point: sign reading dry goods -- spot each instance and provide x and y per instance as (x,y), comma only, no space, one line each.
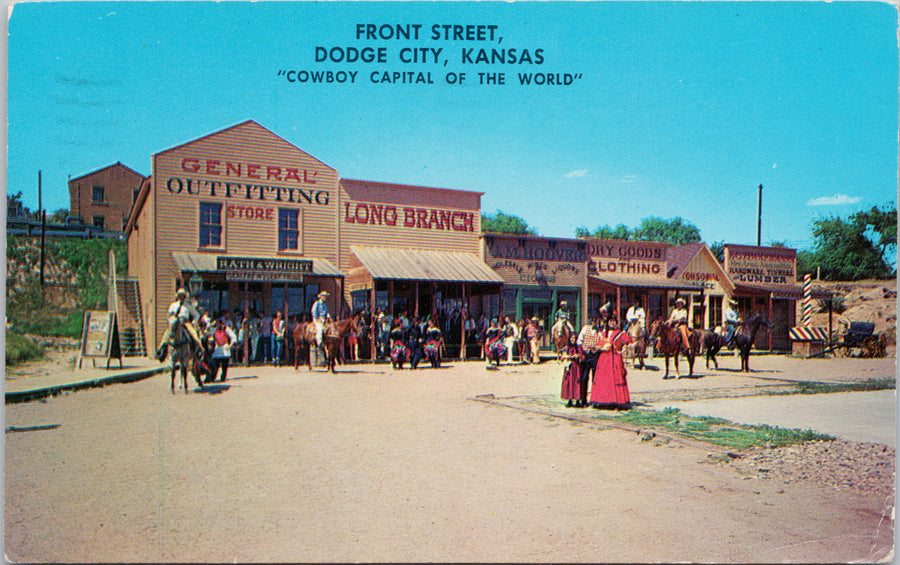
(254,269)
(622,257)
(767,265)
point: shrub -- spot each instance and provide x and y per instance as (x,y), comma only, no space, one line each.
(21,348)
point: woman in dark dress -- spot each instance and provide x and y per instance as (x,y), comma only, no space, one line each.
(571,358)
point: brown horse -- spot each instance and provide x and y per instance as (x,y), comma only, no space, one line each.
(637,349)
(561,340)
(183,358)
(670,345)
(332,337)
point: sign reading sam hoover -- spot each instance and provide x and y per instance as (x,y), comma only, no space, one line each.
(254,269)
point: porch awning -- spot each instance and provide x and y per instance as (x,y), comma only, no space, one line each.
(641,282)
(417,265)
(207,263)
(778,291)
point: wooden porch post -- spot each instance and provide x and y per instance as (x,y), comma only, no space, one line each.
(245,324)
(373,327)
(463,310)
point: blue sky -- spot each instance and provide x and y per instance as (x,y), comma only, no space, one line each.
(679,109)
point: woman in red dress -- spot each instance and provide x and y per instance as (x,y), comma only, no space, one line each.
(571,357)
(610,389)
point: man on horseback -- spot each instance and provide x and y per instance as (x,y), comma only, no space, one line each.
(732,321)
(180,311)
(562,319)
(636,318)
(679,319)
(320,316)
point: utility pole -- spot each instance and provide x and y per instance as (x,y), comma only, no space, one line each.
(759,219)
(43,218)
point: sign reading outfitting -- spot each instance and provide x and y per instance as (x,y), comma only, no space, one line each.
(255,269)
(291,185)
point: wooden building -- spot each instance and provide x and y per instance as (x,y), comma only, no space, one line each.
(695,264)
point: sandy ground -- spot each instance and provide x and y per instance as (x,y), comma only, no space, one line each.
(372,464)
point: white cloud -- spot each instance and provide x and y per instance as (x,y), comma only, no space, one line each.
(577,174)
(628,178)
(836,200)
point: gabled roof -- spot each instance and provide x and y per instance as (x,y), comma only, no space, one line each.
(680,256)
(249,124)
(101,169)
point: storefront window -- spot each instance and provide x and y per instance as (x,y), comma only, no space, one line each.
(715,311)
(288,230)
(210,224)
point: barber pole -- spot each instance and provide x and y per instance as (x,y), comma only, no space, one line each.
(807,300)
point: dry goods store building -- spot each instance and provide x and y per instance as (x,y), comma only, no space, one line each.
(266,226)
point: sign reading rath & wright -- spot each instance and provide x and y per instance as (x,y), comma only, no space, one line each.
(761,265)
(257,269)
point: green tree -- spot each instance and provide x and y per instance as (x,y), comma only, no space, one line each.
(505,223)
(58,217)
(883,222)
(674,230)
(718,250)
(621,231)
(844,252)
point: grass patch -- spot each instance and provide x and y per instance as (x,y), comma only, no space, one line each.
(864,386)
(20,348)
(715,430)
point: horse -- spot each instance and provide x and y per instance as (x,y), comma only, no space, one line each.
(183,358)
(561,339)
(670,344)
(712,343)
(305,335)
(637,349)
(746,335)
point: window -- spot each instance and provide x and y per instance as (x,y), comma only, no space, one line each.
(210,224)
(98,195)
(715,311)
(288,231)
(99,222)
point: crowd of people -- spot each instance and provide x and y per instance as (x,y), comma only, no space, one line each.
(594,357)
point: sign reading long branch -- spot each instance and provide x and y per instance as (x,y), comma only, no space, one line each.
(408,217)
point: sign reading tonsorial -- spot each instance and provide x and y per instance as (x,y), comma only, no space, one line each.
(259,269)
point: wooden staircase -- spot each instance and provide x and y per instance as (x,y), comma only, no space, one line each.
(131,320)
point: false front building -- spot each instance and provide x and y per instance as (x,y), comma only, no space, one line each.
(262,226)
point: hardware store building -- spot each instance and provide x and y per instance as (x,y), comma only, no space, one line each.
(264,226)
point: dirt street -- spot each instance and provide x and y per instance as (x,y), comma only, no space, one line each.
(372,464)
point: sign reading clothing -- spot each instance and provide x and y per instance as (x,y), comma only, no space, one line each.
(271,270)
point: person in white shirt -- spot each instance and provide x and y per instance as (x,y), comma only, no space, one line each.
(732,321)
(636,318)
(180,311)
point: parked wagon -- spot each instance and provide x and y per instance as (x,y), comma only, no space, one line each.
(858,340)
